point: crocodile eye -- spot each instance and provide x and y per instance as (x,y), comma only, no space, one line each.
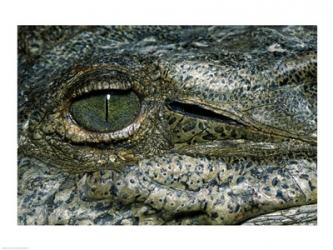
(106,111)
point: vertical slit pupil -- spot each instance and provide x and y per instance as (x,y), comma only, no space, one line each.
(107,107)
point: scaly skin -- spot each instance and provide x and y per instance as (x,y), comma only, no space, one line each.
(226,133)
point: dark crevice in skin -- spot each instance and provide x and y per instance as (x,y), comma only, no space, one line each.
(200,112)
(190,214)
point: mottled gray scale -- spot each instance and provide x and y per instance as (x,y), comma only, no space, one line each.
(223,129)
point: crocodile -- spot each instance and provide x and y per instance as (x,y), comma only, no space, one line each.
(167,125)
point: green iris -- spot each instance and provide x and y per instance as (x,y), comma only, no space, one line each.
(107,111)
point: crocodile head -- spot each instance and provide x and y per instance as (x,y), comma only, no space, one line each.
(166,125)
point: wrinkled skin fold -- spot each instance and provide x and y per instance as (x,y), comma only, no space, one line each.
(225,131)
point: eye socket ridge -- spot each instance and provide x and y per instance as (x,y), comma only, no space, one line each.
(97,82)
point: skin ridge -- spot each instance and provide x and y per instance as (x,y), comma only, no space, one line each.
(256,164)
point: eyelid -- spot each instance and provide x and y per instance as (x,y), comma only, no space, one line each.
(98,77)
(100,85)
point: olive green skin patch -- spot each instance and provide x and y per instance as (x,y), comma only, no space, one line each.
(106,111)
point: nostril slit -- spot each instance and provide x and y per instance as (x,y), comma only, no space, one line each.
(107,107)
